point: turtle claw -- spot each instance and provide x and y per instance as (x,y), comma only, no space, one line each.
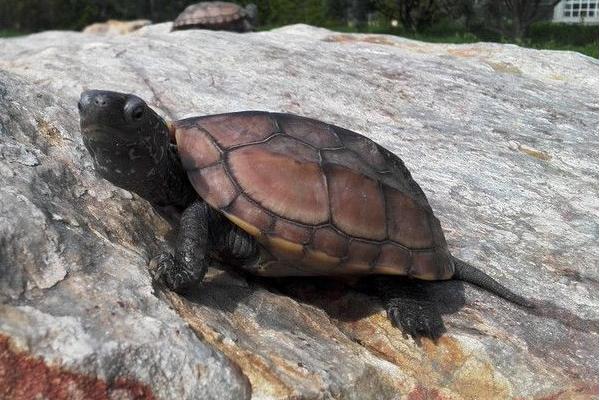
(159,265)
(416,318)
(166,270)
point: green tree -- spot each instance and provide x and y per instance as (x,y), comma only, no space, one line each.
(414,15)
(36,15)
(513,18)
(337,11)
(463,10)
(357,12)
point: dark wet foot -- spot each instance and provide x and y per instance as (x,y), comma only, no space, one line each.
(416,318)
(165,270)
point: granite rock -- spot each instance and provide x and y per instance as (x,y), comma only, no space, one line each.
(503,140)
(116,27)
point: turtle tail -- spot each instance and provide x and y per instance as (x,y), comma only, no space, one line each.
(468,273)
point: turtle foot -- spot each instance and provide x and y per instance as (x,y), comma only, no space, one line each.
(166,270)
(417,318)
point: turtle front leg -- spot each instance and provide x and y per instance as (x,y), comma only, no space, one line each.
(189,264)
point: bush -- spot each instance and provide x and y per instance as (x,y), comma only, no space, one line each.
(571,34)
(284,12)
(4,33)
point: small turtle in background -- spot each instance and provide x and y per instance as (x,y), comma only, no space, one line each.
(278,195)
(217,16)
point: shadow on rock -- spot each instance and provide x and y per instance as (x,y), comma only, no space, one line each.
(351,301)
(222,289)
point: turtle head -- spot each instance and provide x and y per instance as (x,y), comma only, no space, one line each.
(252,13)
(127,140)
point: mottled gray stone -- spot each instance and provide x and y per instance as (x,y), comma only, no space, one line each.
(74,287)
(503,140)
(116,27)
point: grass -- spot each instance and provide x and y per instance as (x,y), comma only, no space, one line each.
(7,33)
(548,36)
(590,50)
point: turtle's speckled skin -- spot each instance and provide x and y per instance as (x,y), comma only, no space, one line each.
(278,194)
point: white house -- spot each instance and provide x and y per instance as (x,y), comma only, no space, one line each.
(577,11)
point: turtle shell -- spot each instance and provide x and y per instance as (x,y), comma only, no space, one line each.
(209,15)
(322,200)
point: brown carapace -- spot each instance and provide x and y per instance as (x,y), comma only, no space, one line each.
(320,199)
(216,15)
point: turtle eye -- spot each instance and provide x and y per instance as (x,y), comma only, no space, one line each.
(137,112)
(134,109)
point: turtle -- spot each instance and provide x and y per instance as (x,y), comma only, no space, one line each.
(277,195)
(218,16)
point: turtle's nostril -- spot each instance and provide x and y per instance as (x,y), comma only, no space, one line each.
(100,101)
(86,99)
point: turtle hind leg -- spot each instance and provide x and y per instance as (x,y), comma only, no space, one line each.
(417,318)
(410,307)
(233,245)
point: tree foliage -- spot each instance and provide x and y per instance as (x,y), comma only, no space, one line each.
(500,18)
(36,15)
(462,10)
(513,18)
(414,15)
(284,12)
(417,15)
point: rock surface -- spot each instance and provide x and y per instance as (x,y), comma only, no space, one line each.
(116,27)
(503,140)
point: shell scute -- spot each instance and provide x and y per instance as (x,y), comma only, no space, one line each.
(364,147)
(290,231)
(230,130)
(315,133)
(394,260)
(213,185)
(283,176)
(196,147)
(249,216)
(361,256)
(357,203)
(346,158)
(431,265)
(409,224)
(330,242)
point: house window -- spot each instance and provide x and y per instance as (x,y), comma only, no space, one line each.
(580,8)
